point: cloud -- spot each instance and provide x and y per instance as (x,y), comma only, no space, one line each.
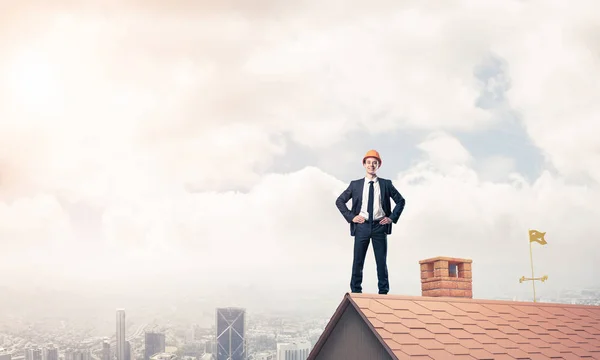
(286,232)
(167,119)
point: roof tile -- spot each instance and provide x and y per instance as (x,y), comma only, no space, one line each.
(414,324)
(452,324)
(496,334)
(537,356)
(518,339)
(487,325)
(503,344)
(389,318)
(414,350)
(561,348)
(538,330)
(460,334)
(540,343)
(485,339)
(443,328)
(517,353)
(422,334)
(431,344)
(591,347)
(438,329)
(570,356)
(581,352)
(405,339)
(447,339)
(384,333)
(394,345)
(474,329)
(378,308)
(376,322)
(528,348)
(481,354)
(456,349)
(439,354)
(442,306)
(429,319)
(405,314)
(500,348)
(411,306)
(503,357)
(471,344)
(396,328)
(368,313)
(362,303)
(507,329)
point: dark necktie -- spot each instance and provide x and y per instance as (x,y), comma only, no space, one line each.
(370,203)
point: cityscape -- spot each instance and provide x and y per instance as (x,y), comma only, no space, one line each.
(235,335)
(299,180)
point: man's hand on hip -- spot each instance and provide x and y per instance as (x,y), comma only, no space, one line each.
(358,219)
(385,220)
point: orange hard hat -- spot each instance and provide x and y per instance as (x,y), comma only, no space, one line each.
(372,153)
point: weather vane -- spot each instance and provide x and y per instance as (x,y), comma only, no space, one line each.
(534,236)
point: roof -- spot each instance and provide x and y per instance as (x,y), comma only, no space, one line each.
(463,328)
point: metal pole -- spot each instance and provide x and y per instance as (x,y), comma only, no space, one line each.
(532,276)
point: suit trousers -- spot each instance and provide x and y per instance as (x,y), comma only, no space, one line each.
(362,236)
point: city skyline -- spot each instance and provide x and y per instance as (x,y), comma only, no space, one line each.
(129,131)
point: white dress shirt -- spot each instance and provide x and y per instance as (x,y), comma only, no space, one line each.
(377,208)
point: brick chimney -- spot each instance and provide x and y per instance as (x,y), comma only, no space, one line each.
(446,276)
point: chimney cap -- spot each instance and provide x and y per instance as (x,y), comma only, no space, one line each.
(445,258)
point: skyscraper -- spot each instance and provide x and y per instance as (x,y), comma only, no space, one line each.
(121,335)
(293,351)
(106,350)
(128,351)
(153,343)
(230,336)
(33,353)
(50,353)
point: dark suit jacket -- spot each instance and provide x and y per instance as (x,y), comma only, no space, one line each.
(355,192)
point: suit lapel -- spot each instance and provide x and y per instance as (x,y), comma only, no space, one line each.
(359,190)
(382,185)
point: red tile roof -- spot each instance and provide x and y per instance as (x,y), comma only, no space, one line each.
(460,328)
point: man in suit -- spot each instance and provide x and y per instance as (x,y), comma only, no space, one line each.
(370,218)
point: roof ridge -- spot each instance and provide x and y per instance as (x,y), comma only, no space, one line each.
(467,300)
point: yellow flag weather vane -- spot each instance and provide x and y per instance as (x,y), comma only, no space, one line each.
(538,237)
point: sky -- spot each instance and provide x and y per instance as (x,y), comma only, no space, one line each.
(147,146)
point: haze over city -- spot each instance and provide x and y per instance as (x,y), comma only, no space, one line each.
(167,156)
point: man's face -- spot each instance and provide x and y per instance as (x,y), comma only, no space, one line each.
(371,165)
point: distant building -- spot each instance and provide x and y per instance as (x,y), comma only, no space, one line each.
(50,353)
(153,343)
(121,351)
(210,347)
(293,351)
(78,354)
(265,356)
(106,350)
(230,335)
(33,353)
(163,356)
(4,355)
(129,355)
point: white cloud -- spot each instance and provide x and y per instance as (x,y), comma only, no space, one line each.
(445,151)
(496,168)
(147,105)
